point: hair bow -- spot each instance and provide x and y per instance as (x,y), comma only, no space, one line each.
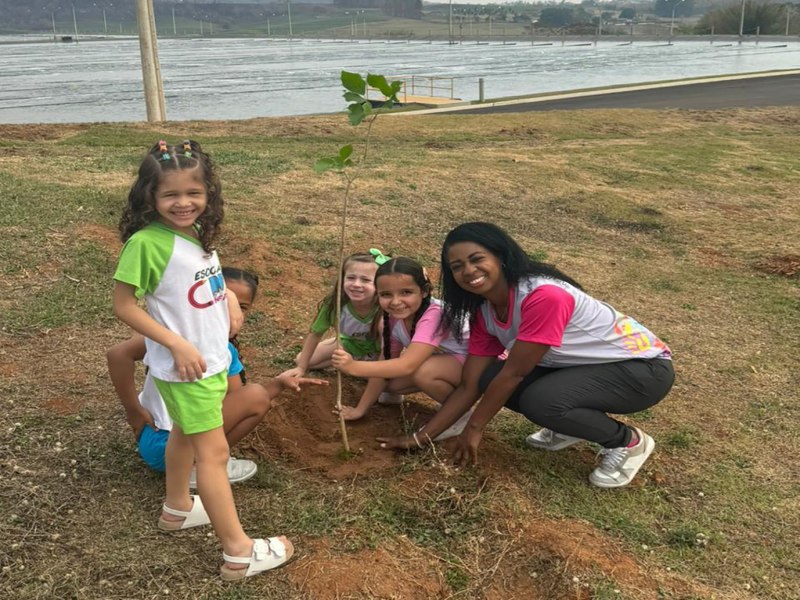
(162,147)
(187,149)
(380,257)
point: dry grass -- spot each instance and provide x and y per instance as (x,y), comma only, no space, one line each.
(687,220)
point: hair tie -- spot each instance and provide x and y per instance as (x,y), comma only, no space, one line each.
(187,149)
(380,257)
(162,147)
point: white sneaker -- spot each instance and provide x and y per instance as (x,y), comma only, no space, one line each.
(390,398)
(454,429)
(619,466)
(547,439)
(239,470)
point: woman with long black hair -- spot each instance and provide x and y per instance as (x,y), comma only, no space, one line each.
(571,359)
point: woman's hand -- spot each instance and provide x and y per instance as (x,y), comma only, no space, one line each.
(403,442)
(466,448)
(189,363)
(341,360)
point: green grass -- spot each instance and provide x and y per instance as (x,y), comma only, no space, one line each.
(665,215)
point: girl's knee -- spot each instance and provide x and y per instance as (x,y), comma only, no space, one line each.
(261,402)
(421,376)
(217,457)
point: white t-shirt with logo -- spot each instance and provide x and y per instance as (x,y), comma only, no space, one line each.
(185,292)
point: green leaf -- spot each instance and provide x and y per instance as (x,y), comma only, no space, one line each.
(324,164)
(367,108)
(353,97)
(345,151)
(357,113)
(396,87)
(379,83)
(354,82)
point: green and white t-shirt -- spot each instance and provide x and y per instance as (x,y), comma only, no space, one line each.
(355,333)
(185,292)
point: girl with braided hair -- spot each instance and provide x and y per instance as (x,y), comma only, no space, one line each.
(418,354)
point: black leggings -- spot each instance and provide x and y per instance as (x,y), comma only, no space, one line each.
(574,400)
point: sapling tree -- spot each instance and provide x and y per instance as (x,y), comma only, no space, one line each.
(359,109)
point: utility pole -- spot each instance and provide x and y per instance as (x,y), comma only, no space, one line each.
(151,71)
(451,22)
(289,10)
(105,23)
(788,16)
(174,28)
(53,19)
(75,22)
(741,24)
(157,62)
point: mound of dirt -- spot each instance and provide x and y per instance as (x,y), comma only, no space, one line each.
(304,430)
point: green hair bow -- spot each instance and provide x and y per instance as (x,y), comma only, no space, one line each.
(380,257)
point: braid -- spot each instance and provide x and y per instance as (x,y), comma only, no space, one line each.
(387,337)
(235,342)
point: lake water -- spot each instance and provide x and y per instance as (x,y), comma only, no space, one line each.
(244,78)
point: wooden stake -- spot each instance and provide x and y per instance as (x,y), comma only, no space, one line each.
(337,322)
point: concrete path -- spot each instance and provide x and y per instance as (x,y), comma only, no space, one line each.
(738,91)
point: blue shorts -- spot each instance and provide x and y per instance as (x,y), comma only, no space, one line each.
(152,447)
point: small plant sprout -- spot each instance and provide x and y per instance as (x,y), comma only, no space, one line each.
(359,109)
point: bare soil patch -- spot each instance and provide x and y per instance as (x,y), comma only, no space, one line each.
(392,572)
(304,430)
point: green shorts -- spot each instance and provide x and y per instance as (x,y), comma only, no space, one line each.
(195,406)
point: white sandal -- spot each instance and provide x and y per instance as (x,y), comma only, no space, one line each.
(267,554)
(196,517)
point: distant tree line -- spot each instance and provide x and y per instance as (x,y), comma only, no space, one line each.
(759,16)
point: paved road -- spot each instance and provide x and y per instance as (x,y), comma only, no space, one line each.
(782,90)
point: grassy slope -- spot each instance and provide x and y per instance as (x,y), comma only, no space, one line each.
(667,215)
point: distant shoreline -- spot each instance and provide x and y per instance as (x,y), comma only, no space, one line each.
(539,39)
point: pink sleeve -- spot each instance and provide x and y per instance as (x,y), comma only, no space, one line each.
(481,342)
(427,329)
(544,315)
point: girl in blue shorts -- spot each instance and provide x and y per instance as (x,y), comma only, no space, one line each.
(243,409)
